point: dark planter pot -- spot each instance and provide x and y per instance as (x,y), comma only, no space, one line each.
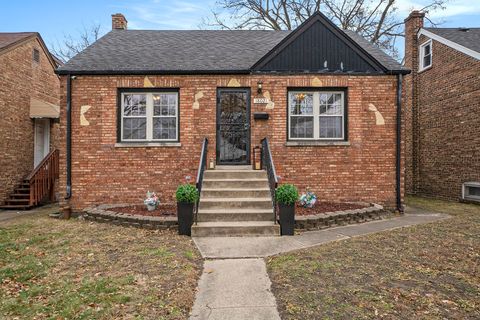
(185,218)
(287,219)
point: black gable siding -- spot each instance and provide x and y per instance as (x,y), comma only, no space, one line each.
(313,47)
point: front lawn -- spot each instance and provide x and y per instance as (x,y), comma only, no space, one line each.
(429,271)
(55,269)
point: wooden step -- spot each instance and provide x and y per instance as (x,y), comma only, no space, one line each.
(17,201)
(15,207)
(19,195)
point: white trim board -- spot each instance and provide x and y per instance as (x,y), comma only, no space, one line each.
(449,43)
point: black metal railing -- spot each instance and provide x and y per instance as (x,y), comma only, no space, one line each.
(201,169)
(267,164)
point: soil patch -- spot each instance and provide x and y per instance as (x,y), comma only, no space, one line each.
(325,206)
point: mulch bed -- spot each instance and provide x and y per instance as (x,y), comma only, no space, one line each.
(163,210)
(325,206)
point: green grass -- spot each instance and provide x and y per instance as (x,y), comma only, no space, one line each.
(53,269)
(428,271)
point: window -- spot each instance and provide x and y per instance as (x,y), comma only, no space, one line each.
(316,115)
(426,55)
(36,55)
(471,191)
(149,116)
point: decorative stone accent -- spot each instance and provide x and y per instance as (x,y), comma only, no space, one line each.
(341,218)
(233,83)
(106,213)
(83,120)
(147,83)
(316,82)
(197,96)
(379,120)
(270,103)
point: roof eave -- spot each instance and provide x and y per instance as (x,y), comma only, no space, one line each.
(148,72)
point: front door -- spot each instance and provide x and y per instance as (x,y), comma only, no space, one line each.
(41,140)
(233,126)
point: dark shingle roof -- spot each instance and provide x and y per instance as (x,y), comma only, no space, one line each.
(10,38)
(469,39)
(172,51)
(196,50)
(384,59)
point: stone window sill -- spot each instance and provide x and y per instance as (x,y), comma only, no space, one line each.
(316,143)
(147,144)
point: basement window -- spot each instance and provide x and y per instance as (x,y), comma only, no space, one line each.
(471,191)
(36,55)
(316,115)
(425,55)
(149,116)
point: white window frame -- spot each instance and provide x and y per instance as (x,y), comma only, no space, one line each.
(316,114)
(149,115)
(421,67)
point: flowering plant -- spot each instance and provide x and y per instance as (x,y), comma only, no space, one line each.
(300,96)
(308,199)
(152,199)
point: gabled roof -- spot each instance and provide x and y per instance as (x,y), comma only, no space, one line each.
(199,51)
(10,40)
(466,40)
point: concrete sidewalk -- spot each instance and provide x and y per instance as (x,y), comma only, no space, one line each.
(259,247)
(234,289)
(8,215)
(237,286)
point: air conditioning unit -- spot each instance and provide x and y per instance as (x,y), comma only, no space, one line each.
(471,191)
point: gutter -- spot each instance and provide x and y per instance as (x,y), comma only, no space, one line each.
(398,142)
(69,138)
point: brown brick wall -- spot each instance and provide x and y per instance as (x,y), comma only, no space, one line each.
(443,143)
(22,78)
(103,173)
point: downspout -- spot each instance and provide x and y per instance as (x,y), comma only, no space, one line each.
(69,138)
(399,141)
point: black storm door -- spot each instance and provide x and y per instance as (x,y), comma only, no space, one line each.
(233,126)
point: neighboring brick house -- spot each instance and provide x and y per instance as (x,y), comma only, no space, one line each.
(29,104)
(141,103)
(442,103)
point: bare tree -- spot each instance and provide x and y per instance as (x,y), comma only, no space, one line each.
(376,20)
(70,46)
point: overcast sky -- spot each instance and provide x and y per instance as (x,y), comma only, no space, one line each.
(54,18)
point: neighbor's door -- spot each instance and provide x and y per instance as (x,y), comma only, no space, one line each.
(233,126)
(41,140)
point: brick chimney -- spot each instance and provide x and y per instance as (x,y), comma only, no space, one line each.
(412,24)
(119,22)
(410,94)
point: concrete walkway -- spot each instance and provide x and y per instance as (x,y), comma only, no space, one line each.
(236,285)
(8,215)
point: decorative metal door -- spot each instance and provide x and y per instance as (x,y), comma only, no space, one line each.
(233,126)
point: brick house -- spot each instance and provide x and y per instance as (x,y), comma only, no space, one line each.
(138,105)
(442,106)
(29,101)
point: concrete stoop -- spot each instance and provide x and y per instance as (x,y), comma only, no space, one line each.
(235,201)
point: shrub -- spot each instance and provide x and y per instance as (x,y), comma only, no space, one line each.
(286,194)
(186,193)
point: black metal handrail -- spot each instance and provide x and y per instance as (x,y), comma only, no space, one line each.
(201,169)
(267,164)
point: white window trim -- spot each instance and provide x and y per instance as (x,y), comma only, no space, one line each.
(316,115)
(421,52)
(449,43)
(149,115)
(466,185)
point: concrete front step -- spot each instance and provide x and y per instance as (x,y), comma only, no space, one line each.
(235,174)
(235,193)
(234,183)
(233,167)
(244,203)
(235,229)
(235,215)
